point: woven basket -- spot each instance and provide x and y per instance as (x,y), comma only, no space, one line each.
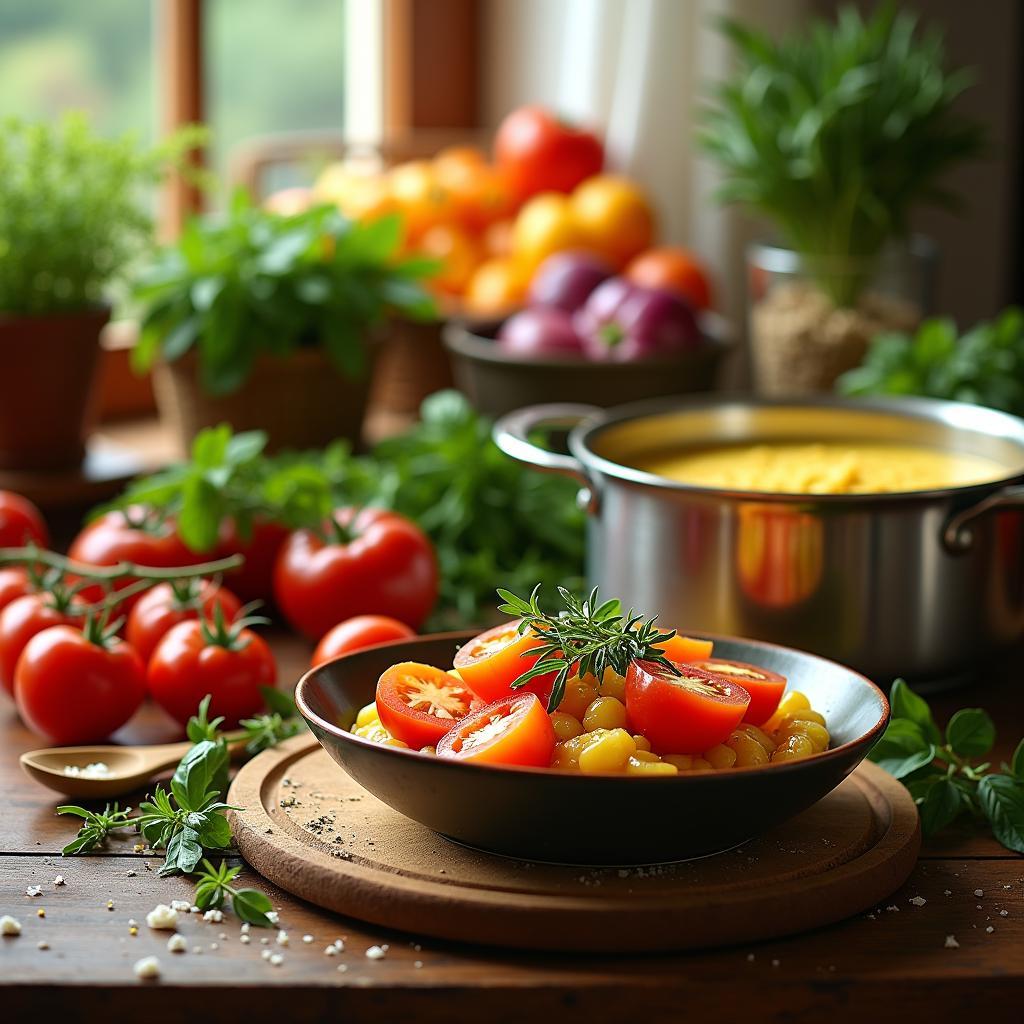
(413,363)
(300,400)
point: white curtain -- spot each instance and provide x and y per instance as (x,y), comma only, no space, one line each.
(638,70)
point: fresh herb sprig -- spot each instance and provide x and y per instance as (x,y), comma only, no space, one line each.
(96,826)
(586,637)
(280,723)
(214,889)
(947,773)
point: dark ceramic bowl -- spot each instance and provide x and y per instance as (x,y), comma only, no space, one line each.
(570,818)
(497,382)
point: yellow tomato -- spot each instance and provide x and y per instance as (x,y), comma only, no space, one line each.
(614,217)
(420,196)
(496,287)
(457,253)
(546,224)
(358,195)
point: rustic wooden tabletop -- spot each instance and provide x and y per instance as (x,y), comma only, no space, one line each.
(75,955)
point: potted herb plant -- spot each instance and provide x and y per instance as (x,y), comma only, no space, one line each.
(834,134)
(71,221)
(268,321)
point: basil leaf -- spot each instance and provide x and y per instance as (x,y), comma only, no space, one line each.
(907,704)
(215,832)
(184,852)
(84,841)
(1017,762)
(201,771)
(971,733)
(1002,799)
(253,906)
(902,749)
(941,804)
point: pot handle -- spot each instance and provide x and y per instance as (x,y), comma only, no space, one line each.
(958,535)
(512,435)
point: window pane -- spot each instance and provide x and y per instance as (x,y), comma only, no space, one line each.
(272,67)
(95,55)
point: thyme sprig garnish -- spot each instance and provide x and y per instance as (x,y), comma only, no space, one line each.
(586,637)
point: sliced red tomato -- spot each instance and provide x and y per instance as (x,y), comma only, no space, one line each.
(684,714)
(687,649)
(418,704)
(513,730)
(492,661)
(765,687)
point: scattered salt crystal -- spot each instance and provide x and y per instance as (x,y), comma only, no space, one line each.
(264,941)
(182,905)
(197,950)
(376,953)
(979,892)
(775,963)
(947,892)
(417,963)
(42,944)
(339,945)
(191,910)
(892,907)
(147,967)
(918,901)
(951,942)
(34,890)
(266,954)
(131,873)
(307,939)
(750,958)
(331,951)
(342,968)
(244,939)
(1004,913)
(214,915)
(990,929)
(272,916)
(276,959)
(9,925)
(177,944)
(245,927)
(282,938)
(162,917)
(59,880)
(97,770)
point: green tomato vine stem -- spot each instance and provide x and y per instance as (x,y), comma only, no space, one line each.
(29,556)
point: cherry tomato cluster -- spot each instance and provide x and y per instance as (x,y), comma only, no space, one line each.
(473,713)
(77,676)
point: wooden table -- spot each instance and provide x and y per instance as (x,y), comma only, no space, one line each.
(891,965)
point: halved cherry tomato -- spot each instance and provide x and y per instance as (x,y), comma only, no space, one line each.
(514,730)
(418,704)
(765,687)
(492,661)
(687,649)
(684,714)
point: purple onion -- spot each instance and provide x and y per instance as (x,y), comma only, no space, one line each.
(540,332)
(566,279)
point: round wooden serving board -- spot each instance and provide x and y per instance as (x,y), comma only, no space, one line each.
(312,830)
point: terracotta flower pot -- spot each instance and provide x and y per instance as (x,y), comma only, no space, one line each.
(300,400)
(46,387)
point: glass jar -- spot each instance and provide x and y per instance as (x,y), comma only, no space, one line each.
(812,319)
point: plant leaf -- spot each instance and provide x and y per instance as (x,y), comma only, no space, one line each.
(907,704)
(1002,799)
(941,804)
(971,732)
(253,906)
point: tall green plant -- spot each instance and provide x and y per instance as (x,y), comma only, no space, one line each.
(71,210)
(836,132)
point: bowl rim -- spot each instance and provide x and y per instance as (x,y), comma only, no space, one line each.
(462,339)
(869,737)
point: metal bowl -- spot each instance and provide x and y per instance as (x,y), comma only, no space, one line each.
(497,382)
(571,818)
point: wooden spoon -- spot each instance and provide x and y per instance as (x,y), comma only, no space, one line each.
(129,767)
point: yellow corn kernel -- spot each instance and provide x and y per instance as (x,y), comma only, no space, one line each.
(802,715)
(367,715)
(748,751)
(613,685)
(579,695)
(793,749)
(605,713)
(794,700)
(760,736)
(428,750)
(645,755)
(608,751)
(817,734)
(565,726)
(373,731)
(567,753)
(642,742)
(684,762)
(638,766)
(720,756)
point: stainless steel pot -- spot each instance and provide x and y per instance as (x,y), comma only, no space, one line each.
(927,585)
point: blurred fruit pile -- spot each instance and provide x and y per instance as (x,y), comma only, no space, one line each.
(491,223)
